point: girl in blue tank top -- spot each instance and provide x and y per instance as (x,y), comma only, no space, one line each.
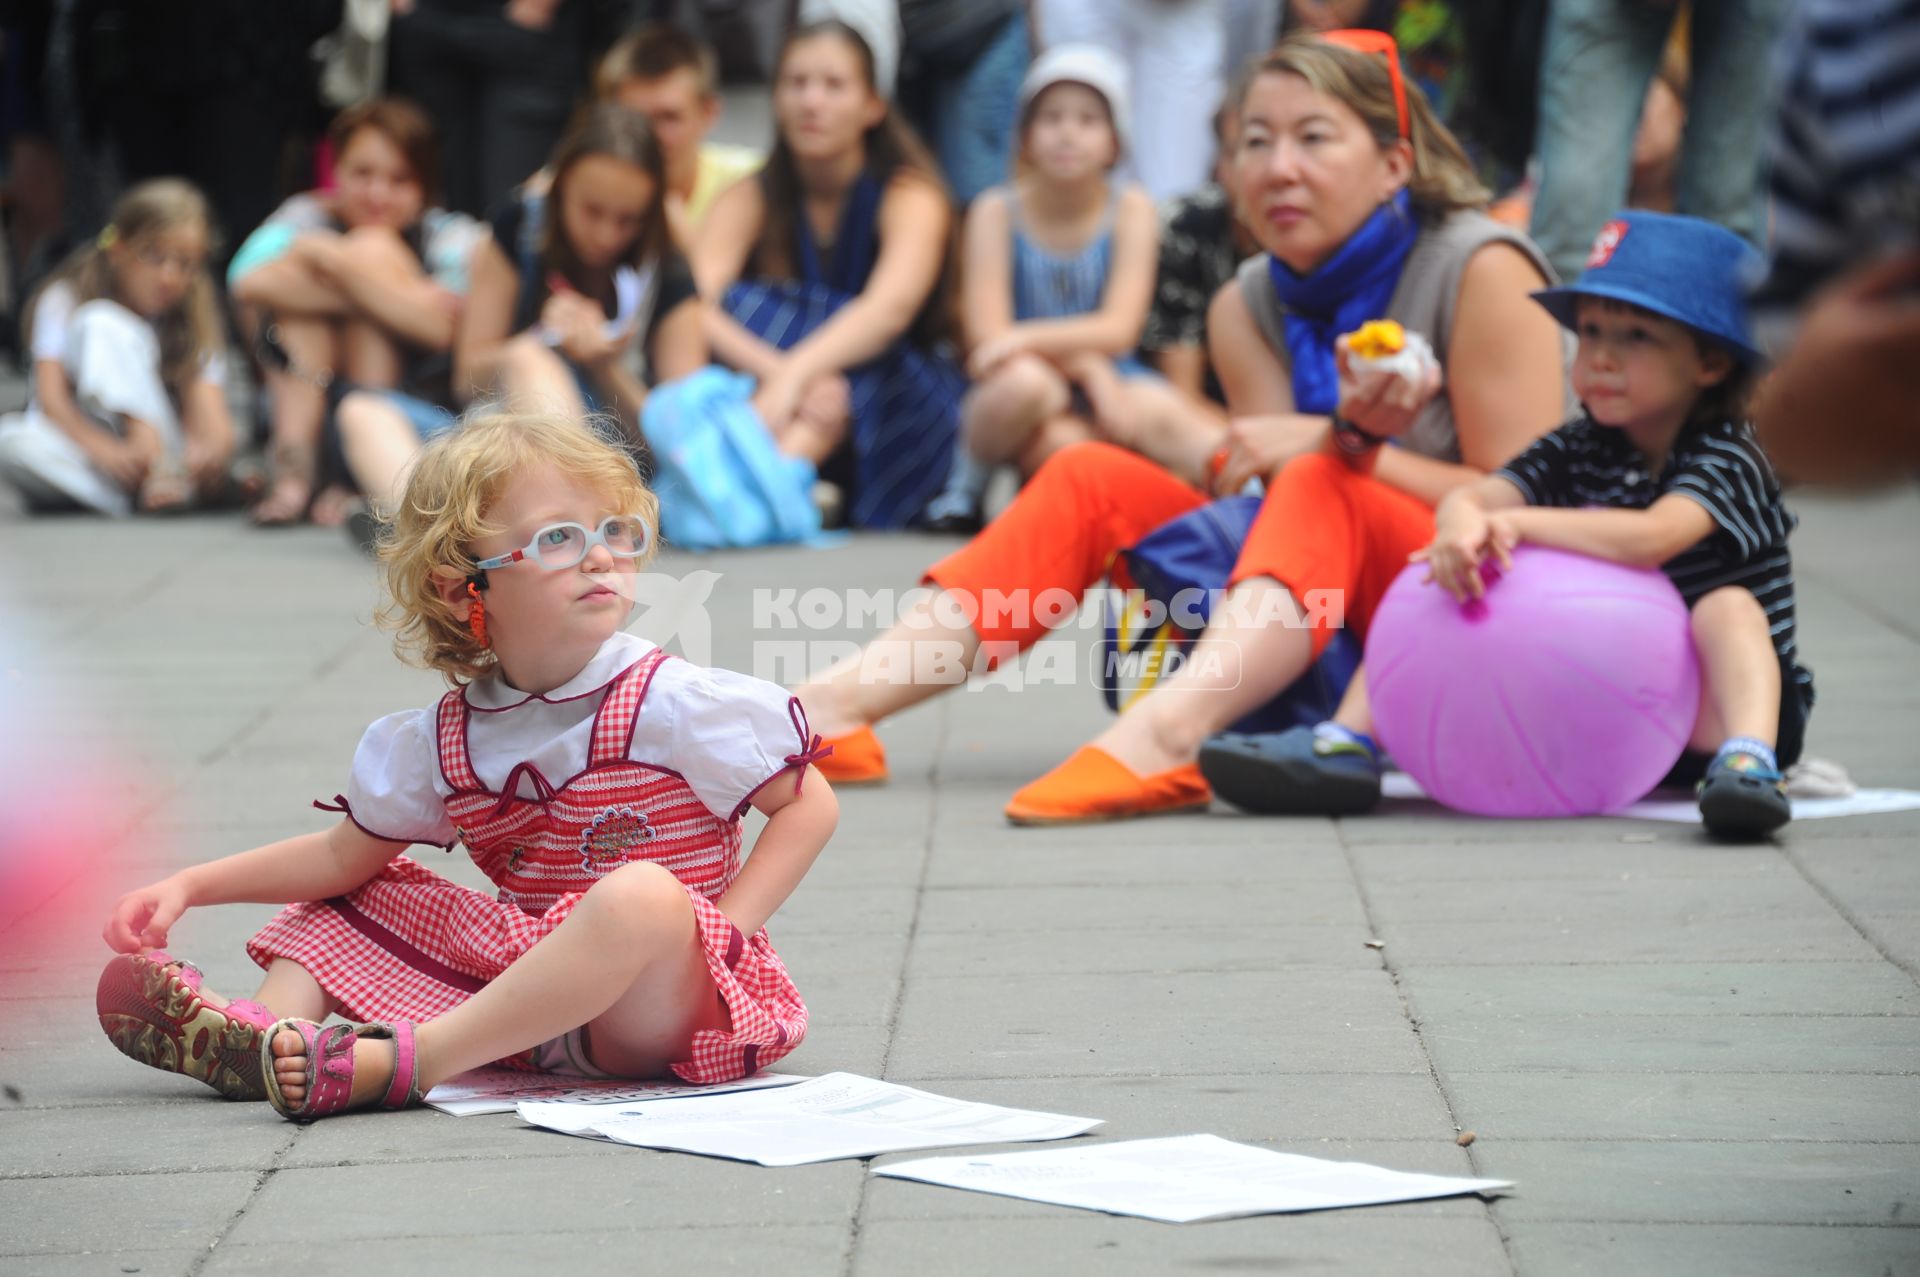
(1059,271)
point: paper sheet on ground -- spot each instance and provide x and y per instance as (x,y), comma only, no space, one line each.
(820,1120)
(1684,811)
(497,1090)
(1182,1179)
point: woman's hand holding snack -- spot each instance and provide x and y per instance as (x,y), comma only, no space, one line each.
(1387,376)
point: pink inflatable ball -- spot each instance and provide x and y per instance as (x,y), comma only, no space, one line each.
(1569,690)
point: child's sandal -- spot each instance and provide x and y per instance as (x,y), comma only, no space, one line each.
(152,1009)
(329,1069)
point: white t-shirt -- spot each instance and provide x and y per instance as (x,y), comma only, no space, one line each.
(726,733)
(53,314)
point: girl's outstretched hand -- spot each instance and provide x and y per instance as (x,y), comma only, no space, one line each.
(142,918)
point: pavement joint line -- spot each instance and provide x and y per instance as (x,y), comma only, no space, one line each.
(1910,969)
(260,1183)
(850,1255)
(1391,967)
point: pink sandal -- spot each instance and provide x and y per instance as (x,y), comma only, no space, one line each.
(329,1071)
(152,1010)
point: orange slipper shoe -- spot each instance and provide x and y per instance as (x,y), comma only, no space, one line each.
(858,758)
(1093,785)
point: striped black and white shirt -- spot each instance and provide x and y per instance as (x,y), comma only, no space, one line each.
(1844,161)
(1719,466)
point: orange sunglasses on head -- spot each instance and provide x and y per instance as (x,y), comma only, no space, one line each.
(1363,40)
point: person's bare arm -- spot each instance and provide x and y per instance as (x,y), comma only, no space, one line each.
(207,424)
(308,867)
(289,285)
(1184,366)
(382,280)
(913,222)
(105,449)
(486,321)
(798,826)
(1505,376)
(1254,378)
(718,257)
(986,284)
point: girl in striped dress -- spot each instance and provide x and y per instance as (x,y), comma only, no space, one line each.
(1059,272)
(598,783)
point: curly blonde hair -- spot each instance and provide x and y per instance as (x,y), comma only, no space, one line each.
(455,482)
(1443,179)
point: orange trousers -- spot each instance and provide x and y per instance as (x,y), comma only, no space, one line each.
(1323,526)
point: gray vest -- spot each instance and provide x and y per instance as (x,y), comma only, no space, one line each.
(1423,302)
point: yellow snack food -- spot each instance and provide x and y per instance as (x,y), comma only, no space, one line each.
(1377,338)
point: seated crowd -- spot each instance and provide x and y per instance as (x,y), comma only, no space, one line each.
(1130,367)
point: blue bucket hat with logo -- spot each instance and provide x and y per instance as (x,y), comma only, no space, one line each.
(1691,271)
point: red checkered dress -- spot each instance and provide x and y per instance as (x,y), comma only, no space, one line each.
(411,945)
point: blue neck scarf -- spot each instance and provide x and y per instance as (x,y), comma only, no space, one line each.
(1343,292)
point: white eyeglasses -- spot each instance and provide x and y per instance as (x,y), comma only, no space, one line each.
(563,545)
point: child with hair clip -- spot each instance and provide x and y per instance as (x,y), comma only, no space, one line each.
(596,781)
(1662,470)
(1059,276)
(128,406)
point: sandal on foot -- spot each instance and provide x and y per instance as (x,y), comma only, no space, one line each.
(1742,802)
(329,1071)
(152,1009)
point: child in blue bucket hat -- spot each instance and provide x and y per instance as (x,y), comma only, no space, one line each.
(1661,469)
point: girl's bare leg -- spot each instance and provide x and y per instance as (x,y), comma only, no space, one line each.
(1254,645)
(930,644)
(1049,437)
(627,963)
(380,444)
(1164,424)
(535,379)
(299,403)
(1001,414)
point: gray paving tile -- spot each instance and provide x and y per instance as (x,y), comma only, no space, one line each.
(119,1212)
(1325,1243)
(1682,1250)
(1669,988)
(1308,854)
(140,1139)
(1065,949)
(1621,937)
(97,1263)
(1668,852)
(647,1245)
(1711,1044)
(462,1199)
(1287,1021)
(1137,907)
(1719,1183)
(1688,1106)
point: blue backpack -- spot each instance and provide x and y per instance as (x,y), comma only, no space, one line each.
(1196,552)
(721,481)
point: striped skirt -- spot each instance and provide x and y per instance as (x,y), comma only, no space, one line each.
(906,402)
